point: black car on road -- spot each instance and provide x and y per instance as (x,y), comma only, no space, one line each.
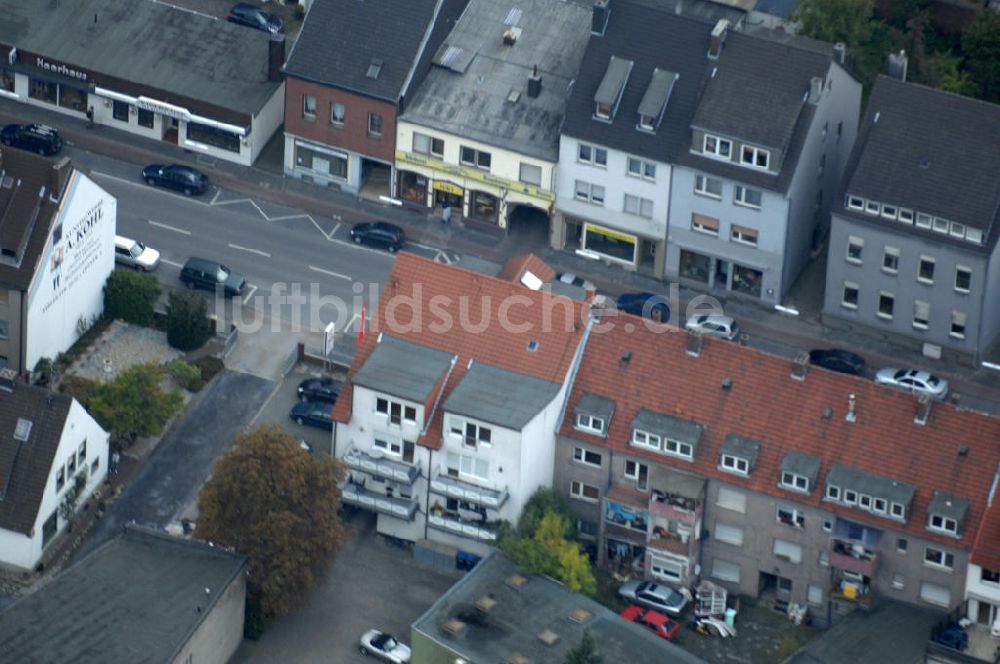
(647,305)
(32,137)
(379,234)
(314,413)
(835,359)
(203,273)
(176,176)
(319,389)
(246,14)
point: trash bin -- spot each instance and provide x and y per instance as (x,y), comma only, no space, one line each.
(731,617)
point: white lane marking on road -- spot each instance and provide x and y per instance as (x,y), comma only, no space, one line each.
(328,272)
(350,323)
(264,405)
(425,247)
(143,185)
(252,251)
(253,289)
(169,227)
(334,231)
(169,262)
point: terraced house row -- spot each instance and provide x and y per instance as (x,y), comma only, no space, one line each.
(683,457)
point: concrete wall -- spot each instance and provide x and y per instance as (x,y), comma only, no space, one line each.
(10,311)
(979,592)
(266,122)
(221,632)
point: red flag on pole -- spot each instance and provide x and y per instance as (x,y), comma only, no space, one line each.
(361,326)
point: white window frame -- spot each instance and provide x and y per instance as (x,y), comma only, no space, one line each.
(403,408)
(728,534)
(646,439)
(643,169)
(872,207)
(737,465)
(833,492)
(677,448)
(798,517)
(855,203)
(898,581)
(888,251)
(577,490)
(921,315)
(942,524)
(724,570)
(591,190)
(343,114)
(717,145)
(731,499)
(590,423)
(793,484)
(920,265)
(850,497)
(855,242)
(905,216)
(698,227)
(755,155)
(701,182)
(527,180)
(959,319)
(374,123)
(924,220)
(788,551)
(593,159)
(392,446)
(945,560)
(957,229)
(309,101)
(878,305)
(850,285)
(889,211)
(967,270)
(643,207)
(737,234)
(636,473)
(740,197)
(941,225)
(581,455)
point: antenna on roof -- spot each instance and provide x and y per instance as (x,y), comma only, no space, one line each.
(851,416)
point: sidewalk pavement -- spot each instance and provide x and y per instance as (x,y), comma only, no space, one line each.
(266,181)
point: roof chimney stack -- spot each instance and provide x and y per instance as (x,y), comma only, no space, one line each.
(840,52)
(625,359)
(599,21)
(534,83)
(275,57)
(897,64)
(717,39)
(801,366)
(851,403)
(815,89)
(923,411)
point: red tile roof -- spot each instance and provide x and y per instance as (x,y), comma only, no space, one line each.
(514,268)
(500,317)
(765,403)
(986,550)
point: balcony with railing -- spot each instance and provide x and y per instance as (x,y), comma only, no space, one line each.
(452,487)
(853,557)
(390,469)
(451,522)
(357,495)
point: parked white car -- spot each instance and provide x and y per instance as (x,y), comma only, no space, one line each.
(135,254)
(913,380)
(714,325)
(384,646)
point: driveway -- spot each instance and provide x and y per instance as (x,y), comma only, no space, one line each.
(276,410)
(183,460)
(371,584)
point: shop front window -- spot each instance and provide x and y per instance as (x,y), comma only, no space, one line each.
(145,118)
(695,266)
(413,187)
(321,162)
(6,80)
(610,243)
(119,111)
(43,91)
(213,136)
(747,280)
(484,206)
(72,98)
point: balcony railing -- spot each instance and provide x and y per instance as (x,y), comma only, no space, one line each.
(667,541)
(456,526)
(389,469)
(845,556)
(456,488)
(355,494)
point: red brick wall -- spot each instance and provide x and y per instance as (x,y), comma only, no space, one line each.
(353,136)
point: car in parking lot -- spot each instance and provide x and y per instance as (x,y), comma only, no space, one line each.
(656,622)
(835,359)
(574,280)
(210,275)
(39,138)
(653,595)
(648,305)
(913,380)
(176,176)
(379,234)
(384,646)
(319,389)
(314,413)
(135,254)
(714,325)
(243,13)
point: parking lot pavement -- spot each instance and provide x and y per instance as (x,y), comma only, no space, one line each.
(276,410)
(371,584)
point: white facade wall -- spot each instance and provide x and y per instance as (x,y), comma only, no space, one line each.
(21,551)
(78,258)
(980,594)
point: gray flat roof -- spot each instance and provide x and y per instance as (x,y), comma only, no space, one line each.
(499,396)
(513,624)
(466,92)
(149,43)
(403,369)
(137,598)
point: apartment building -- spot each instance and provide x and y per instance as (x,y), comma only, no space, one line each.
(913,247)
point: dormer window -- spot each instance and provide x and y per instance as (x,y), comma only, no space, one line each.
(593,413)
(609,92)
(734,464)
(590,424)
(720,147)
(794,481)
(798,472)
(869,492)
(738,455)
(654,100)
(946,513)
(943,524)
(756,157)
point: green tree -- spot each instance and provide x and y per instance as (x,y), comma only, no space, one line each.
(277,504)
(981,43)
(188,326)
(549,550)
(848,21)
(544,501)
(586,652)
(134,404)
(131,296)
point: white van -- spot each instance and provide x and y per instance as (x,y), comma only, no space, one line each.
(135,254)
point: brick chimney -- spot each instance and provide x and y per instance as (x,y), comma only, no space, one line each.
(275,57)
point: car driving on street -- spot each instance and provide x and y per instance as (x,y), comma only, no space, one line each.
(913,380)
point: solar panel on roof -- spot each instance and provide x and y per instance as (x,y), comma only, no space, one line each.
(22,430)
(513,16)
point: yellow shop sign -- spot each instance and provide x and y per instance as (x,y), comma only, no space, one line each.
(475,174)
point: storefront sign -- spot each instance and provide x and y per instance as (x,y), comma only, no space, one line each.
(477,175)
(163,108)
(60,69)
(614,235)
(447,187)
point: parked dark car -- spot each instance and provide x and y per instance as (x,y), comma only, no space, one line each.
(319,389)
(203,273)
(32,137)
(246,14)
(953,637)
(647,305)
(176,176)
(379,234)
(839,360)
(313,413)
